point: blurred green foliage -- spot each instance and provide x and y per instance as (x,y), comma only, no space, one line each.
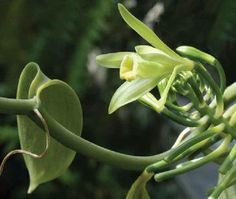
(59,36)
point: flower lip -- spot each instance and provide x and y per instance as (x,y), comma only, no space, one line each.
(128,68)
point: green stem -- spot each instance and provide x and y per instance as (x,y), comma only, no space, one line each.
(74,142)
(153,103)
(187,144)
(221,74)
(189,152)
(219,98)
(193,164)
(206,149)
(17,106)
(230,94)
(84,147)
(180,118)
(197,91)
(177,108)
(204,109)
(228,162)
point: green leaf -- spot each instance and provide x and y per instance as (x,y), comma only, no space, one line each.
(62,103)
(112,60)
(138,188)
(145,32)
(131,91)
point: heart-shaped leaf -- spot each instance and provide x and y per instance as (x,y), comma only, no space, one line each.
(62,103)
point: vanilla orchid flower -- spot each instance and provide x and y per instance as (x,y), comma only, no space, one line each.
(144,68)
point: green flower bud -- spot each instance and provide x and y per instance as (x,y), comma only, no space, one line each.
(194,53)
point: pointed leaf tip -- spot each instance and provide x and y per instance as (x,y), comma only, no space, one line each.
(145,32)
(110,110)
(120,6)
(32,187)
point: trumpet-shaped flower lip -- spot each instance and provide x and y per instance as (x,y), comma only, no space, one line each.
(128,68)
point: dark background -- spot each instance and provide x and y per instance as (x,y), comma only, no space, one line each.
(63,37)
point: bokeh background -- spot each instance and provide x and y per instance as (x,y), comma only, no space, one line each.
(64,37)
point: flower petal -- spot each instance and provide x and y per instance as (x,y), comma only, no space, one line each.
(112,60)
(146,49)
(155,55)
(131,91)
(145,32)
(149,69)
